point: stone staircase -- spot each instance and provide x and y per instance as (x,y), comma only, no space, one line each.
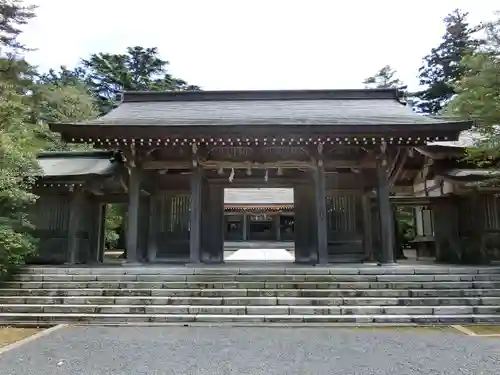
(252,295)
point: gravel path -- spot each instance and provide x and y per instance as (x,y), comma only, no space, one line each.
(252,351)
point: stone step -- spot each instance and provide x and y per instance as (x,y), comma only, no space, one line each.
(183,319)
(216,292)
(262,269)
(210,284)
(250,310)
(62,278)
(251,301)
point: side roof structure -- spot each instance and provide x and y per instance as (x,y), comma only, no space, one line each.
(77,164)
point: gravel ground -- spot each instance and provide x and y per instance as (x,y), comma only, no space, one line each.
(270,351)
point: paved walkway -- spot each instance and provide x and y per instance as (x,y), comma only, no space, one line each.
(261,255)
(252,351)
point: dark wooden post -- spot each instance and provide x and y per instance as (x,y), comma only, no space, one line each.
(195,216)
(101,245)
(214,238)
(76,216)
(322,229)
(153,227)
(207,216)
(386,221)
(446,230)
(301,227)
(244,225)
(277,226)
(144,227)
(367,227)
(96,225)
(134,203)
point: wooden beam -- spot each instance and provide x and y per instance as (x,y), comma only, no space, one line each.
(398,168)
(393,163)
(216,164)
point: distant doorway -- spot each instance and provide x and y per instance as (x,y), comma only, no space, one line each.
(258,224)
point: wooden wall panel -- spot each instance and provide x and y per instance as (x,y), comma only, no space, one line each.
(345,226)
(169,219)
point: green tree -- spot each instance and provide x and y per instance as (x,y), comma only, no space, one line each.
(386,77)
(138,69)
(64,77)
(59,103)
(14,14)
(442,67)
(478,96)
(18,167)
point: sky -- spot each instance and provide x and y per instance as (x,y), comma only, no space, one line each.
(252,44)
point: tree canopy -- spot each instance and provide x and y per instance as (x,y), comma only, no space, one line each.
(107,74)
(478,94)
(14,14)
(442,68)
(385,78)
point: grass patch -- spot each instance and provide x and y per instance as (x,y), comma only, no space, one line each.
(10,335)
(404,328)
(484,329)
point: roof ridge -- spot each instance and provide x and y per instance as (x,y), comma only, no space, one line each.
(242,95)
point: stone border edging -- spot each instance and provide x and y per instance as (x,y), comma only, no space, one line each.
(469,332)
(38,335)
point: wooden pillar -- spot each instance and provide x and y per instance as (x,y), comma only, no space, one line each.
(398,245)
(277,226)
(195,216)
(155,218)
(76,217)
(244,224)
(96,225)
(386,221)
(215,225)
(446,230)
(207,213)
(133,213)
(144,227)
(101,245)
(212,223)
(472,229)
(302,212)
(367,227)
(322,229)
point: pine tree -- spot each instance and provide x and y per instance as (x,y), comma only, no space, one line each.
(441,68)
(138,69)
(478,97)
(13,14)
(385,78)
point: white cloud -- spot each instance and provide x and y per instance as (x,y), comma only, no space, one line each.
(252,44)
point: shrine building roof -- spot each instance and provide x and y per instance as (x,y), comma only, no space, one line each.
(195,114)
(268,107)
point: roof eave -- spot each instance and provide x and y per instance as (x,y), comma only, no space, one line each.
(80,132)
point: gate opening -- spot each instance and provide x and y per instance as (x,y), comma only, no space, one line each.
(259,224)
